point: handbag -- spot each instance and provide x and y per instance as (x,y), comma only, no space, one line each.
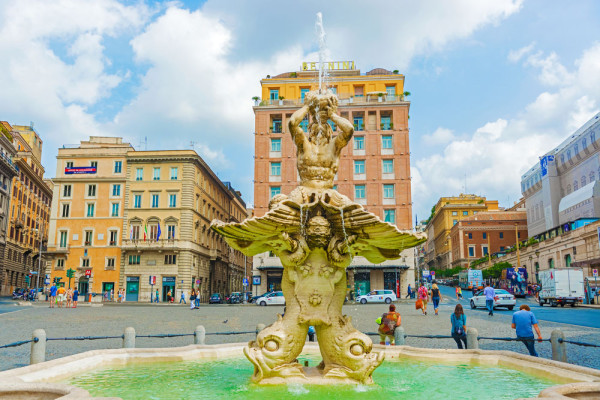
(419,304)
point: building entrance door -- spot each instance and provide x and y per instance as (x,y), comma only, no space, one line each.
(274,281)
(362,283)
(83,288)
(133,288)
(168,284)
(107,287)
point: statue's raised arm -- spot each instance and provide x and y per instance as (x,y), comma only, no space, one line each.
(294,125)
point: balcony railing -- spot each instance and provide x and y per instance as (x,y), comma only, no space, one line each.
(149,244)
(344,98)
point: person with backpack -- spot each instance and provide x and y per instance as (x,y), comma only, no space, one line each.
(193,299)
(389,322)
(458,319)
(435,297)
(423,296)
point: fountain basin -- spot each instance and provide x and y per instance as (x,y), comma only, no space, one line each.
(218,371)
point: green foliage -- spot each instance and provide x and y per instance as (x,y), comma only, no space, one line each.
(480,201)
(495,271)
(447,273)
(293,75)
(406,94)
(395,72)
(6,132)
(431,215)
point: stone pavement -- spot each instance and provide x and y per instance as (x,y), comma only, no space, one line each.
(112,319)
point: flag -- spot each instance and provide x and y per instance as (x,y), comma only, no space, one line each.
(145,231)
(131,232)
(158,233)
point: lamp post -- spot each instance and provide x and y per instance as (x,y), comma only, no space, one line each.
(40,237)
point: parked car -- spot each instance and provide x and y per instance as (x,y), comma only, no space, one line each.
(271,298)
(254,298)
(377,296)
(503,299)
(215,298)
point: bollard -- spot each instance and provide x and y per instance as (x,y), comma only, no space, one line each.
(259,328)
(38,348)
(472,336)
(199,335)
(399,337)
(129,338)
(559,349)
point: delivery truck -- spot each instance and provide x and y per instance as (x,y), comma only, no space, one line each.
(561,286)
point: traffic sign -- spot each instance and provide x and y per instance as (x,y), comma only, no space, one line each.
(595,272)
(245,281)
(88,272)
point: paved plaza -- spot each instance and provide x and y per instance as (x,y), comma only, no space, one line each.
(112,319)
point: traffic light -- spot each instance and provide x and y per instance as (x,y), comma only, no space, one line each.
(57,279)
(27,279)
(70,273)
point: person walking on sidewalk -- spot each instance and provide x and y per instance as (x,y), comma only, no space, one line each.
(490,294)
(423,295)
(459,295)
(389,322)
(408,292)
(435,297)
(182,298)
(458,319)
(523,321)
(156,297)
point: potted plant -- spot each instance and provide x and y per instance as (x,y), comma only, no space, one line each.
(281,98)
(355,127)
(405,94)
(395,72)
(293,75)
(380,97)
(381,125)
(391,125)
(256,99)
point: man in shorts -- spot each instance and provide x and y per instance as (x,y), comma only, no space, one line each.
(53,290)
(61,296)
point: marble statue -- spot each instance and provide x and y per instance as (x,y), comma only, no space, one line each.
(316,231)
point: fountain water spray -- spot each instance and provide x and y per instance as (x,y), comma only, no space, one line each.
(321,34)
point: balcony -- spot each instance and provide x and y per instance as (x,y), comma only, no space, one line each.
(344,99)
(58,250)
(215,254)
(157,245)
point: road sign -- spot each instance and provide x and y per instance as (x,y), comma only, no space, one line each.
(432,273)
(245,281)
(88,272)
(425,273)
(595,272)
(47,281)
(153,280)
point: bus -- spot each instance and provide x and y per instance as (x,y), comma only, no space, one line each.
(470,279)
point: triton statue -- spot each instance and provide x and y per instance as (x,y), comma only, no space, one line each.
(315,232)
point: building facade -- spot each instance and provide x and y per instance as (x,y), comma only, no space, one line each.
(8,170)
(563,187)
(87,214)
(29,212)
(447,212)
(374,169)
(171,197)
(486,232)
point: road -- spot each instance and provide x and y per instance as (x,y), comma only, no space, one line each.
(568,315)
(7,305)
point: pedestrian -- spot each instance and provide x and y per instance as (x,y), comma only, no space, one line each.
(523,321)
(423,296)
(458,293)
(192,299)
(60,296)
(156,297)
(112,294)
(182,298)
(311,333)
(120,296)
(458,319)
(198,298)
(408,292)
(75,297)
(490,294)
(69,298)
(389,322)
(169,296)
(53,290)
(435,297)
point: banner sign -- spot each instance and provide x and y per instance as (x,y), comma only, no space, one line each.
(88,272)
(80,170)
(153,280)
(256,280)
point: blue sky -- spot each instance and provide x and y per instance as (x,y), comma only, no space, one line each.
(494,83)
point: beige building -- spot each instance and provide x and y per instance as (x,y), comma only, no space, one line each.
(87,214)
(171,196)
(8,170)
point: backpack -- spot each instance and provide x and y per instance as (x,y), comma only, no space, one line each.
(388,323)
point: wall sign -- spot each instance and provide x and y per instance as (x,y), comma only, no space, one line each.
(80,170)
(329,65)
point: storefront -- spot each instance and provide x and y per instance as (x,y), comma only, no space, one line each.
(83,287)
(132,289)
(168,285)
(274,280)
(107,287)
(362,282)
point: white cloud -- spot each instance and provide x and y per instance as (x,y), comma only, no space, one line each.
(496,155)
(516,55)
(439,137)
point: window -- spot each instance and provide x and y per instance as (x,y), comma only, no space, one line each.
(389,216)
(135,232)
(276,145)
(155,201)
(465,213)
(359,191)
(67,191)
(358,123)
(519,235)
(137,201)
(359,142)
(304,124)
(388,166)
(471,251)
(386,123)
(550,263)
(134,259)
(583,143)
(303,93)
(170,259)
(118,167)
(501,248)
(156,174)
(116,190)
(174,173)
(485,250)
(501,235)
(69,164)
(63,239)
(359,167)
(470,236)
(60,263)
(569,155)
(65,211)
(172,200)
(575,185)
(592,176)
(88,238)
(583,181)
(275,190)
(112,238)
(386,142)
(275,169)
(91,191)
(90,209)
(484,235)
(110,262)
(390,90)
(94,164)
(171,232)
(454,221)
(139,174)
(274,94)
(115,210)
(576,149)
(454,213)
(85,262)
(388,191)
(276,125)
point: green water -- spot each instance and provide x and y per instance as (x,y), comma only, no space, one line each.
(230,379)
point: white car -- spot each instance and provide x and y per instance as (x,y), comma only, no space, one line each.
(377,296)
(271,298)
(504,299)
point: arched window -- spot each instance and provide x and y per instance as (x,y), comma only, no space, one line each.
(575,186)
(592,176)
(562,158)
(583,182)
(583,143)
(576,149)
(593,137)
(568,189)
(568,260)
(569,155)
(550,263)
